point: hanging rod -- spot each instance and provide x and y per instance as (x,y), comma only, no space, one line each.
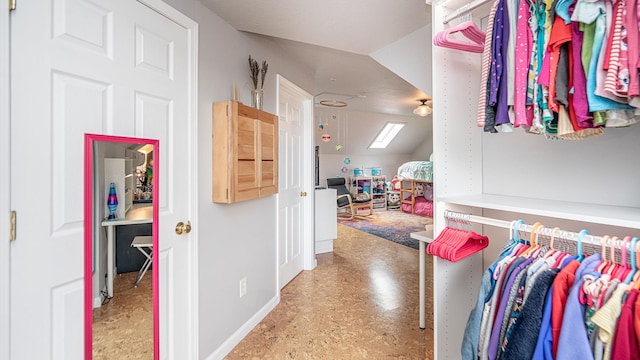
(545,231)
(465,9)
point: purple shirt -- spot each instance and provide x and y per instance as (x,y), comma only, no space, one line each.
(495,332)
(502,108)
(497,60)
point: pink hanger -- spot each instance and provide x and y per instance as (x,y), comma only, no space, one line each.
(470,30)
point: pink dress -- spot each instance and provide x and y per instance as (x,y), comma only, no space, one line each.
(524,38)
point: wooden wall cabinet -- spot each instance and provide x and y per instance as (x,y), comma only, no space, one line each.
(245,153)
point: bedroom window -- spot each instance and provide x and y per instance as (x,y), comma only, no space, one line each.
(384,137)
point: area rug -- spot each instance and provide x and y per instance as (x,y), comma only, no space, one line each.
(395,226)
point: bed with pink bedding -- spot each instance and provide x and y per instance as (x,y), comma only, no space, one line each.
(421,206)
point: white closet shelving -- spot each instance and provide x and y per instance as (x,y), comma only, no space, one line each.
(591,182)
(622,216)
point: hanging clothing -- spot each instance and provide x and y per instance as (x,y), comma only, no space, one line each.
(574,341)
(625,344)
(541,54)
(523,341)
(561,286)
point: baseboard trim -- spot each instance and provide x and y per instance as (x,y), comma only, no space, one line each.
(237,336)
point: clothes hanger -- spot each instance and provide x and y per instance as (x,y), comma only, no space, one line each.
(604,262)
(436,246)
(513,231)
(563,254)
(552,250)
(516,235)
(612,259)
(470,30)
(533,240)
(582,233)
(621,269)
(636,277)
(526,245)
(634,264)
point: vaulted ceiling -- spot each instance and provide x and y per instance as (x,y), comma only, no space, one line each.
(337,39)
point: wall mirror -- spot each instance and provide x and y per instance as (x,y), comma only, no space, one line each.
(121,238)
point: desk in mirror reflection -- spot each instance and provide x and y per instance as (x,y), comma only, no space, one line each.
(138,214)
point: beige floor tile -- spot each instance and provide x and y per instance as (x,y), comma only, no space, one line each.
(361,302)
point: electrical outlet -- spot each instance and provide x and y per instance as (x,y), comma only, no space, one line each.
(243,286)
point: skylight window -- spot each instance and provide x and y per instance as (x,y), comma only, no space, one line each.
(388,132)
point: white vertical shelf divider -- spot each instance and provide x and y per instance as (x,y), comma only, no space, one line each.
(457,153)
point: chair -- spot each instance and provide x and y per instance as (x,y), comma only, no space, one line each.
(145,245)
(345,200)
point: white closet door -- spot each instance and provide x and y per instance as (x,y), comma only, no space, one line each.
(111,67)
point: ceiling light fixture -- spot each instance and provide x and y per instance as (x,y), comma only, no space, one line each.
(423,109)
(333,103)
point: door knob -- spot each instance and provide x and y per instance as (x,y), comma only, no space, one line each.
(182,228)
(303,193)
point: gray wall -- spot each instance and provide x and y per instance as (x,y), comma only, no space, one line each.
(235,240)
(330,165)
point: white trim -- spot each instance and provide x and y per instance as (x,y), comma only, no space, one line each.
(5,183)
(465,9)
(170,13)
(193,256)
(231,342)
(192,29)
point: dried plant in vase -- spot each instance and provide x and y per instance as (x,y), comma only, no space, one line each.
(263,72)
(256,71)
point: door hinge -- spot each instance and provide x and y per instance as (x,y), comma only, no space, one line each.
(227,193)
(12,226)
(12,4)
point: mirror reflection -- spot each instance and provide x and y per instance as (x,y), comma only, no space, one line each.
(122,288)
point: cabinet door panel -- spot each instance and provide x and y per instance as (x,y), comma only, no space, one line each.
(247,175)
(246,138)
(267,173)
(267,132)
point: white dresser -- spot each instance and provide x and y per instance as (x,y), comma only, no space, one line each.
(326,222)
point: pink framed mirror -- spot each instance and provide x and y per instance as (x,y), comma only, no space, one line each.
(104,212)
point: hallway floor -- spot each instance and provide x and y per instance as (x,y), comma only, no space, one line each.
(123,327)
(361,302)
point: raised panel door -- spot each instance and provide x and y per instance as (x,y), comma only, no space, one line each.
(63,59)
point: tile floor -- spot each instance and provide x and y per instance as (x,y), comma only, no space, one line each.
(123,328)
(361,302)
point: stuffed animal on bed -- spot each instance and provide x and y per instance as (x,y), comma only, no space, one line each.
(419,190)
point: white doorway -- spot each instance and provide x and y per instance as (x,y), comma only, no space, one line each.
(124,68)
(295,198)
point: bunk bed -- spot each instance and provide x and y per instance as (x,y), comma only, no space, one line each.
(416,187)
